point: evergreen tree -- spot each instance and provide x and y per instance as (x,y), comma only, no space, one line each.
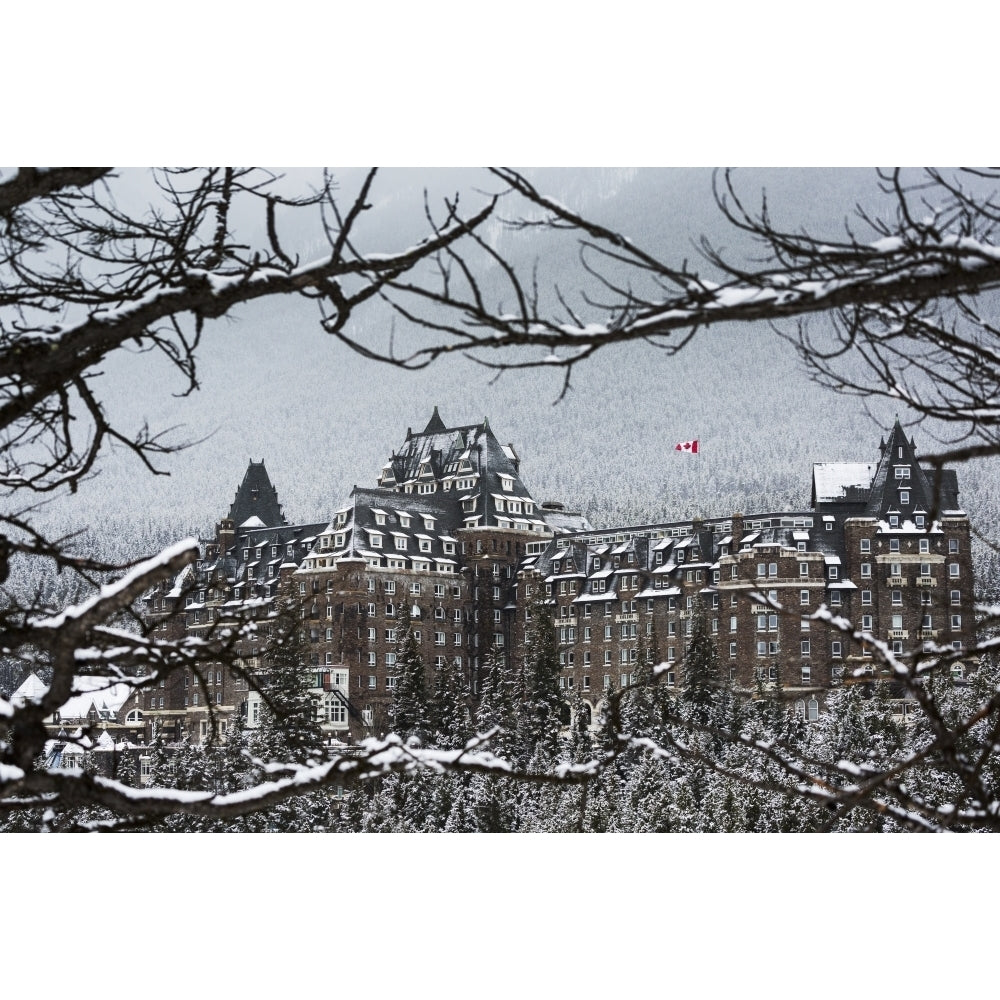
(701,669)
(409,713)
(449,708)
(497,703)
(289,728)
(540,714)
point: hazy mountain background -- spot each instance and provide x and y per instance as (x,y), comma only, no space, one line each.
(273,386)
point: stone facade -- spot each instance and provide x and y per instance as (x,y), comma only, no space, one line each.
(452,532)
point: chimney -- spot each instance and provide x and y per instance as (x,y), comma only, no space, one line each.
(737,530)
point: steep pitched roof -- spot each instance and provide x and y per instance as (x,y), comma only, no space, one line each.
(256,498)
(899,484)
(435,425)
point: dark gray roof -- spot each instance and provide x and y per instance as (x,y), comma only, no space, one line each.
(256,497)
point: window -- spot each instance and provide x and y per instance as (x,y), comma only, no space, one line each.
(925,545)
(834,572)
(952,546)
(866,622)
(895,569)
(866,597)
(803,569)
(953,570)
(812,710)
(803,597)
(904,496)
(956,597)
(866,569)
(835,648)
(805,647)
(893,544)
(866,545)
(956,623)
(806,673)
(732,623)
(897,597)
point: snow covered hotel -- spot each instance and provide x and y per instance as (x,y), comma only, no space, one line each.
(452,533)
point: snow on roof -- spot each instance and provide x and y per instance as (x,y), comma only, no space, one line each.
(32,689)
(253,522)
(832,479)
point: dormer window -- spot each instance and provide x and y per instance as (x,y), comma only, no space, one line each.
(904,496)
(506,483)
(902,472)
(404,520)
(379,517)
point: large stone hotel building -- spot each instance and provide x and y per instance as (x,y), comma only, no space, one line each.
(452,533)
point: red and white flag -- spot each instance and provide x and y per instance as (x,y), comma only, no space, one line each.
(691,446)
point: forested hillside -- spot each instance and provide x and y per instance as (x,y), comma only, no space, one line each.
(274,387)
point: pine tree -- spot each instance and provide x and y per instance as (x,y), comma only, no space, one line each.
(409,713)
(497,703)
(448,708)
(701,669)
(540,715)
(289,728)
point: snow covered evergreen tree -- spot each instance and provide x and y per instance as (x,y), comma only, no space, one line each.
(289,728)
(409,713)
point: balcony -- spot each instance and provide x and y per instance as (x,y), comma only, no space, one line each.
(896,581)
(899,633)
(627,618)
(926,581)
(927,633)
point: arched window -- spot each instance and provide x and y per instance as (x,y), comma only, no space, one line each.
(134,716)
(813,710)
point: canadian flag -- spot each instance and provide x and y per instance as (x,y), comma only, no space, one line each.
(691,446)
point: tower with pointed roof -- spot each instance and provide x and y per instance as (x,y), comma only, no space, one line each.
(256,500)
